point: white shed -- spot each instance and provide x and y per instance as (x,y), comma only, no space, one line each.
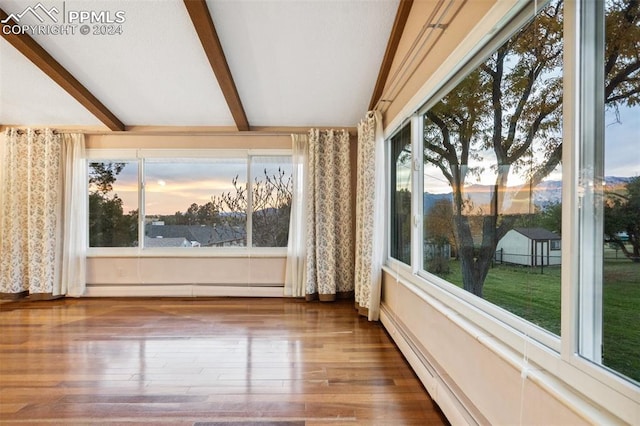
(529,246)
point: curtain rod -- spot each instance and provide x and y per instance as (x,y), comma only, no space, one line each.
(250,133)
(181,132)
(22,131)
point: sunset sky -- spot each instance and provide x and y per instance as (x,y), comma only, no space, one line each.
(622,156)
(173,185)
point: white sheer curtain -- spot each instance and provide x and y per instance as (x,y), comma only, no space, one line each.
(370,208)
(74,243)
(41,214)
(296,249)
(329,267)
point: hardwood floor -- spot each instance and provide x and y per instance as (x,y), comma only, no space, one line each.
(203,362)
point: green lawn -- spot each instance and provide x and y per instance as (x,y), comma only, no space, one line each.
(535,296)
(621,317)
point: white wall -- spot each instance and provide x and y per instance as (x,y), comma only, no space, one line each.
(474,377)
(185,276)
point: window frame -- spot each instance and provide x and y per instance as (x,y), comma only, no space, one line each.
(400,264)
(114,155)
(139,156)
(522,326)
(518,338)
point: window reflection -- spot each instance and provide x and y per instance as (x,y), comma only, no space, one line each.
(621,251)
(492,176)
(401,195)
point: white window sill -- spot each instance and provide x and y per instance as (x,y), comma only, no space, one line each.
(479,319)
(231,252)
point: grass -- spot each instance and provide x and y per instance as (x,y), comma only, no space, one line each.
(621,317)
(535,296)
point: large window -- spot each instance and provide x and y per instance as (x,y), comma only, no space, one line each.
(492,176)
(191,201)
(610,172)
(527,184)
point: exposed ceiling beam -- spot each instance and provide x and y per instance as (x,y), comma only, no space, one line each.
(392,46)
(43,60)
(201,18)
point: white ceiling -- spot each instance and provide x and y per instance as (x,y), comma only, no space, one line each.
(295,63)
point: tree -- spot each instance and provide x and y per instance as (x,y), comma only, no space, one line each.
(507,113)
(548,217)
(439,222)
(400,197)
(191,215)
(551,218)
(622,216)
(401,225)
(207,213)
(227,213)
(231,208)
(108,225)
(439,233)
(272,209)
(102,176)
(622,53)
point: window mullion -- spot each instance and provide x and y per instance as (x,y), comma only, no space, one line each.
(591,176)
(141,198)
(416,191)
(249,212)
(582,195)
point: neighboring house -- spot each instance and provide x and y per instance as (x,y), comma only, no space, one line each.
(229,236)
(529,246)
(195,235)
(166,242)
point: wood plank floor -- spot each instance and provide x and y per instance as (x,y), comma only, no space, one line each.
(203,362)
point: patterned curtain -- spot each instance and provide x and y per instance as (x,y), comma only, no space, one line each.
(37,210)
(329,269)
(370,208)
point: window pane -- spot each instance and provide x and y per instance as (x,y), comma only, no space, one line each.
(492,176)
(113,204)
(272,187)
(401,195)
(195,203)
(621,259)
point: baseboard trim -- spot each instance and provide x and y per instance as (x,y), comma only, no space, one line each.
(185,290)
(455,406)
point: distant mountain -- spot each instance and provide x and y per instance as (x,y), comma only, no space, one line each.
(547,192)
(615,181)
(233,214)
(517,198)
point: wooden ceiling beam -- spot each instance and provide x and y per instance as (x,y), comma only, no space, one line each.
(203,23)
(392,46)
(43,60)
